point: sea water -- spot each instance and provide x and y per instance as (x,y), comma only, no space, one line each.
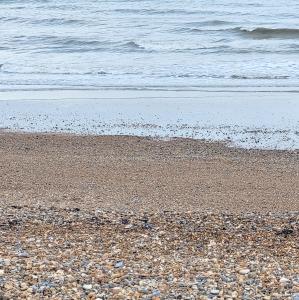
(149,43)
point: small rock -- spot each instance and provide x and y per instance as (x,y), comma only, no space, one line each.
(284,280)
(244,271)
(1,272)
(23,286)
(119,264)
(116,290)
(23,254)
(8,286)
(156,293)
(87,287)
(295,296)
(91,296)
(215,292)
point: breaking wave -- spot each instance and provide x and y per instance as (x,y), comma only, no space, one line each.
(269,33)
(209,23)
(133,45)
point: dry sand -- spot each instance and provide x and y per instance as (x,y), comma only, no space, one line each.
(122,172)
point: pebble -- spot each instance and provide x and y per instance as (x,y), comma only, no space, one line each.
(235,294)
(104,260)
(244,271)
(119,264)
(215,292)
(284,280)
(87,286)
(23,254)
(23,286)
(8,286)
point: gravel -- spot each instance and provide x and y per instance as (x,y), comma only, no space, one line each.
(85,217)
(78,254)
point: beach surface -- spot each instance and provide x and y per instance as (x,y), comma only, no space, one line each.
(260,118)
(149,150)
(122,217)
(135,174)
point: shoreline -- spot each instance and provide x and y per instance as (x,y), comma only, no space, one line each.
(263,120)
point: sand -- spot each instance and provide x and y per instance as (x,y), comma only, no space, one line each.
(136,174)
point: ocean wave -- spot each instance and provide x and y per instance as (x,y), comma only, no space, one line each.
(209,23)
(13,19)
(203,49)
(217,76)
(47,21)
(53,39)
(133,45)
(269,33)
(189,30)
(154,11)
(255,33)
(49,43)
(260,77)
(191,75)
(101,73)
(57,21)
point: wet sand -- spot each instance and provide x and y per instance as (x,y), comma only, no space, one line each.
(249,119)
(136,174)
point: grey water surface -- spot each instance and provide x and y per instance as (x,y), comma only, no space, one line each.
(147,43)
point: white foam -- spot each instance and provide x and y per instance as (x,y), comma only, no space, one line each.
(247,119)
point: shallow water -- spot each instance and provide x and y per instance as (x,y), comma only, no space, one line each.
(149,43)
(246,119)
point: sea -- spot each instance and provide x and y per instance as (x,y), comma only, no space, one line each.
(143,44)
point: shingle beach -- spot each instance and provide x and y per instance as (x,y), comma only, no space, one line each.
(118,217)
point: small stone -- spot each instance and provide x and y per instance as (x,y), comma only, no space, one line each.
(244,271)
(23,286)
(1,272)
(91,296)
(284,280)
(235,294)
(295,296)
(23,254)
(116,290)
(156,293)
(8,286)
(87,287)
(6,262)
(215,292)
(119,264)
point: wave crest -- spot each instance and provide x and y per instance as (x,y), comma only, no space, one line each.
(133,45)
(268,33)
